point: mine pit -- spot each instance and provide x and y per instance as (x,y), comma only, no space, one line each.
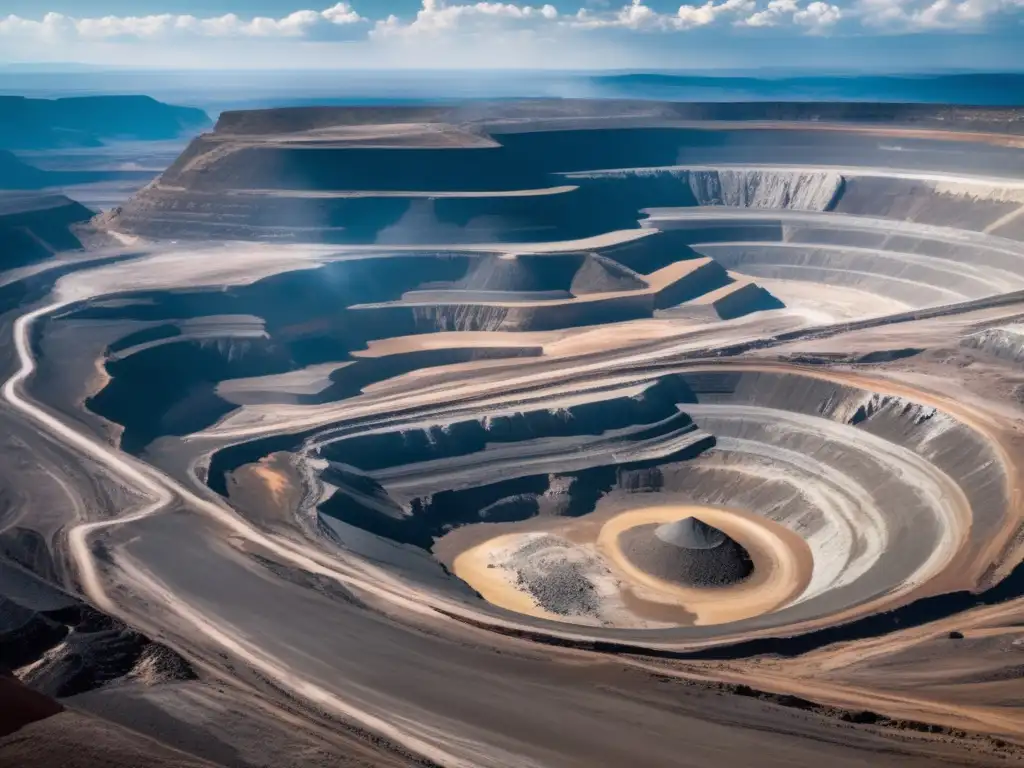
(534,403)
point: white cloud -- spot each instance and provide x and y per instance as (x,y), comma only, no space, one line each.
(438,16)
(921,15)
(639,16)
(636,15)
(56,26)
(342,13)
(816,17)
(775,13)
(493,24)
(693,16)
(52,26)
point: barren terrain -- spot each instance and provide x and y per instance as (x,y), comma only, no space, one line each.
(347,457)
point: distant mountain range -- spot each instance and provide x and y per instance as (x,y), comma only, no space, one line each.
(218,91)
(34,226)
(92,121)
(16,174)
(995,89)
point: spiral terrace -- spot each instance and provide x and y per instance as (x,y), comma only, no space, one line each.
(540,433)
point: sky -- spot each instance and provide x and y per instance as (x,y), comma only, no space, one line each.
(810,35)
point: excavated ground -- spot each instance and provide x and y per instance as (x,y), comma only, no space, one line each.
(407,375)
(661,236)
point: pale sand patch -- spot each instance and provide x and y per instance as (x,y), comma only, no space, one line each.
(275,480)
(311,380)
(826,304)
(419,134)
(739,283)
(397,345)
(268,490)
(782,569)
(490,569)
(560,343)
(494,584)
(782,563)
(618,335)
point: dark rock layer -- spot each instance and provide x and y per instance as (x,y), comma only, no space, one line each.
(688,552)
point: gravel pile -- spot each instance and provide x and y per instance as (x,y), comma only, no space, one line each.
(687,552)
(556,575)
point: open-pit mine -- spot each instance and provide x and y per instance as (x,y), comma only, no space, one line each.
(535,433)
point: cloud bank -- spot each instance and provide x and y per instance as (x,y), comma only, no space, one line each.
(58,26)
(440,17)
(471,32)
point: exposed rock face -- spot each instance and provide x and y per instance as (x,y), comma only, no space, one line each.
(754,188)
(688,552)
(1005,342)
(60,646)
(526,171)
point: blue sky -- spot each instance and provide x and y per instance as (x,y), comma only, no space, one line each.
(871,35)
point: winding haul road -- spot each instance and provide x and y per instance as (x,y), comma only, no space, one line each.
(165,493)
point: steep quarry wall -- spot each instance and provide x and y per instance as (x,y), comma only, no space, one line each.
(858,453)
(806,191)
(639,407)
(909,278)
(214,165)
(541,176)
(513,316)
(739,187)
(911,263)
(964,204)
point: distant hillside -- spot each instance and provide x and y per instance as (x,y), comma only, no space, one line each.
(996,89)
(16,174)
(35,226)
(91,121)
